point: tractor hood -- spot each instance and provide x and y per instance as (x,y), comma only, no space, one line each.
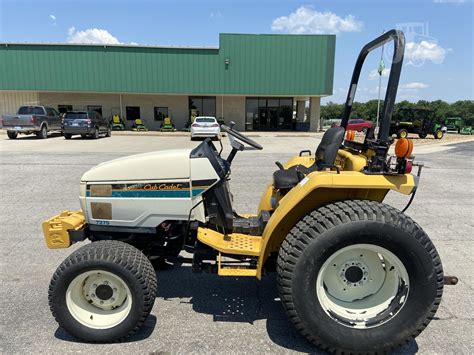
(161,165)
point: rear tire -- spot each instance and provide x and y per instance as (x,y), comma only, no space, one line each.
(313,271)
(67,135)
(103,292)
(402,133)
(43,132)
(12,134)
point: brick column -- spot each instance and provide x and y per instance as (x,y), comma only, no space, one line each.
(300,106)
(314,113)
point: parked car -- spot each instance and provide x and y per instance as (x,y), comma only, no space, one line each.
(85,123)
(32,119)
(360,125)
(205,126)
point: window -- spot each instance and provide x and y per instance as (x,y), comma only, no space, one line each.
(31,110)
(75,116)
(202,106)
(161,113)
(132,113)
(49,112)
(97,109)
(206,120)
(251,116)
(64,108)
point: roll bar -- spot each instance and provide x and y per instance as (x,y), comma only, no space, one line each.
(398,52)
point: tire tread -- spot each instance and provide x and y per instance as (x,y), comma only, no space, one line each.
(119,253)
(313,225)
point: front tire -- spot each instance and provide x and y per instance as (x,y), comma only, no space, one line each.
(109,132)
(67,135)
(103,292)
(96,133)
(422,135)
(439,134)
(402,133)
(359,276)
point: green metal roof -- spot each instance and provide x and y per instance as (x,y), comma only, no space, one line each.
(258,65)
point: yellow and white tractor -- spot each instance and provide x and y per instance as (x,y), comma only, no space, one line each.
(355,275)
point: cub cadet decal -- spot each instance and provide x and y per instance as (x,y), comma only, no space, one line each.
(150,190)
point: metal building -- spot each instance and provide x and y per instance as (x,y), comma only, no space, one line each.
(262,82)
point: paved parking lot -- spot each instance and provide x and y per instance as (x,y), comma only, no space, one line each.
(201,312)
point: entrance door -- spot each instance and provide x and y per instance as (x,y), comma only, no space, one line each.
(262,119)
(273,118)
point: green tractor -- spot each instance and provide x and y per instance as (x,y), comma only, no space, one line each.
(457,125)
(416,120)
(454,124)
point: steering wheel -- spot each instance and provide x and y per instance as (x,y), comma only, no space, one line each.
(237,135)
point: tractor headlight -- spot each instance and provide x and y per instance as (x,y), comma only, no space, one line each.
(82,189)
(82,196)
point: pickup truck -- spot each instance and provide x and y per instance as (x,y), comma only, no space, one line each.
(32,119)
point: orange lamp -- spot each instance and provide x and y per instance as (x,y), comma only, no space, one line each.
(403,148)
(350,135)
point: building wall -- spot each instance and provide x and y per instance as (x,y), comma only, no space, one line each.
(244,64)
(230,108)
(234,110)
(177,105)
(11,100)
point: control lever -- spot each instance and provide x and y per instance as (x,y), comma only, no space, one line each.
(280,165)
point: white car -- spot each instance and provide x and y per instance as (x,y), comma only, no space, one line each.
(205,126)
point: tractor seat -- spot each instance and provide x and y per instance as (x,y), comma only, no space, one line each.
(326,154)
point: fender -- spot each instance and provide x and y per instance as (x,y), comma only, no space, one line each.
(320,188)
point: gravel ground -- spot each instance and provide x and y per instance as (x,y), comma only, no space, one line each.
(198,312)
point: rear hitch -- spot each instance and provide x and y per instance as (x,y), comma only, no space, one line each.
(450,280)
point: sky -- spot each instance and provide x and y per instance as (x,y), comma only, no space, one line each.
(438,59)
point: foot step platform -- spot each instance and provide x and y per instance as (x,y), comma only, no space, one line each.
(235,243)
(231,244)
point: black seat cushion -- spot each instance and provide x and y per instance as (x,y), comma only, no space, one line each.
(284,179)
(326,154)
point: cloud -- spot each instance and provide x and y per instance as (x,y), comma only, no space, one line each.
(216,14)
(374,74)
(449,1)
(420,52)
(52,17)
(91,36)
(306,20)
(414,86)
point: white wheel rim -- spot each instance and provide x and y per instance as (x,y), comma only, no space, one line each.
(362,286)
(104,310)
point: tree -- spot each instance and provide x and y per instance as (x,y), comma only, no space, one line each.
(440,110)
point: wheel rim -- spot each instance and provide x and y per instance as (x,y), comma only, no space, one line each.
(99,299)
(362,286)
(439,134)
(403,134)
